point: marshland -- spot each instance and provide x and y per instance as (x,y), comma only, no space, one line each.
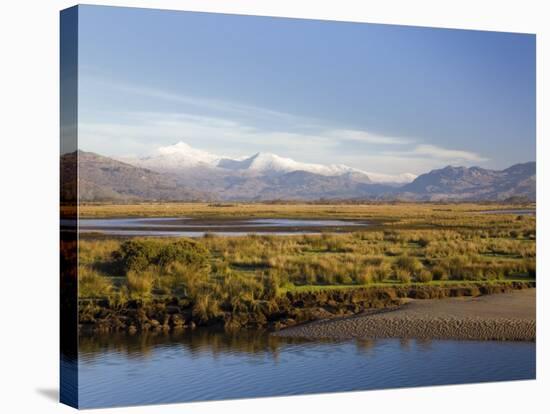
(387,253)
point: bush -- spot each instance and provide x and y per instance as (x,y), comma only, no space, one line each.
(424,276)
(382,272)
(92,285)
(181,279)
(403,276)
(367,276)
(140,284)
(206,308)
(137,255)
(439,273)
(186,252)
(410,264)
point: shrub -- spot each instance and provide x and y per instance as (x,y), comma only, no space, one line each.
(137,255)
(206,308)
(181,279)
(271,285)
(382,272)
(424,276)
(408,263)
(182,251)
(92,285)
(403,275)
(367,276)
(457,267)
(439,273)
(140,284)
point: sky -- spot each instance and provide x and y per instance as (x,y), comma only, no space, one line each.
(381,98)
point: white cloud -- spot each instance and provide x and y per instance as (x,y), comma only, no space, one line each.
(366,137)
(434,151)
(140,133)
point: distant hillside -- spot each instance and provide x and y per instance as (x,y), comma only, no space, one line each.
(474,183)
(299,185)
(104,179)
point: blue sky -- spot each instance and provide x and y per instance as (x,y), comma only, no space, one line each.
(382,98)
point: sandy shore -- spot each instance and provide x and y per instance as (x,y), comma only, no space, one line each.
(507,316)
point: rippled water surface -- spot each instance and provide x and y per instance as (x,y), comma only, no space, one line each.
(206,365)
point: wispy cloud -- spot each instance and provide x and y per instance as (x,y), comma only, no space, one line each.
(235,129)
(189,101)
(365,137)
(434,151)
(139,133)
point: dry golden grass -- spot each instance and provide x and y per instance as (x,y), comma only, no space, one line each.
(413,243)
(372,210)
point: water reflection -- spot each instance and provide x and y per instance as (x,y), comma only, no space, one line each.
(199,341)
(204,364)
(191,227)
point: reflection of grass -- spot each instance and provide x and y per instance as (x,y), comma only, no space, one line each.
(421,244)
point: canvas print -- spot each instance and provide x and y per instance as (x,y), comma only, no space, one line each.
(256,206)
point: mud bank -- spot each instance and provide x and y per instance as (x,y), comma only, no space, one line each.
(509,316)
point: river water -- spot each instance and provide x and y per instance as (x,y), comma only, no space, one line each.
(190,227)
(206,365)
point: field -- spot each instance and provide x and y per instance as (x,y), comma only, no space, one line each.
(216,278)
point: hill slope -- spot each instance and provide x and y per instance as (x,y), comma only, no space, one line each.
(104,179)
(474,183)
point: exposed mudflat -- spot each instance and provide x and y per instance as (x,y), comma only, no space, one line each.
(506,316)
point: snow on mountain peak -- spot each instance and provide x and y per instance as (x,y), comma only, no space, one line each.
(181,156)
(186,155)
(404,178)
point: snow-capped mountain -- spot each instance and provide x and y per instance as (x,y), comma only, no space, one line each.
(175,157)
(182,157)
(404,178)
(181,173)
(268,164)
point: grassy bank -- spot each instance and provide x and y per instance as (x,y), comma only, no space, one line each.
(285,310)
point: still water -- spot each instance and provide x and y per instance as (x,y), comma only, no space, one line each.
(206,365)
(518,211)
(190,227)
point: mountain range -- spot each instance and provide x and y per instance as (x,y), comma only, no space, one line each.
(181,157)
(182,173)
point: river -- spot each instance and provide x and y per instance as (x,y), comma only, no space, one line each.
(192,227)
(120,370)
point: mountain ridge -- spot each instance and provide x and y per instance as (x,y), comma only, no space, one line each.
(469,183)
(102,178)
(180,157)
(105,179)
